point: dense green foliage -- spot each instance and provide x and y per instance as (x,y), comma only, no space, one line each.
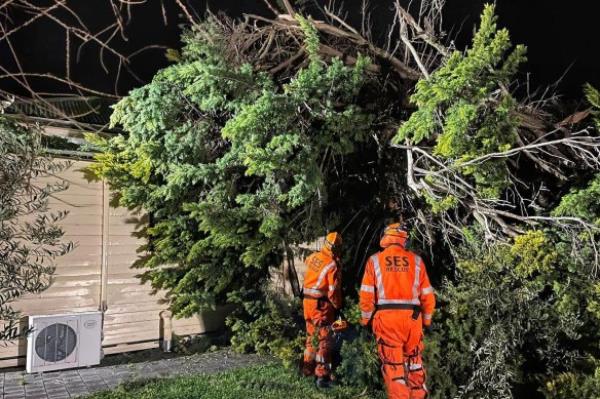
(360,365)
(232,167)
(517,318)
(267,382)
(580,296)
(521,318)
(272,327)
(517,315)
(468,94)
(30,235)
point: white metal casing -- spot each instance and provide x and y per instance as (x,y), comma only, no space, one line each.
(64,341)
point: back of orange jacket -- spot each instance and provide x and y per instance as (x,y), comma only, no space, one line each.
(396,277)
(322,278)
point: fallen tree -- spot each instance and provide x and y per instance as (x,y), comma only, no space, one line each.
(267,132)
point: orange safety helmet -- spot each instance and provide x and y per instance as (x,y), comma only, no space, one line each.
(333,242)
(394,234)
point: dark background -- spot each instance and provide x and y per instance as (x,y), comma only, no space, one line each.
(562,40)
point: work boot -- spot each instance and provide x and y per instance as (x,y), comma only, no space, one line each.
(323,382)
(308,369)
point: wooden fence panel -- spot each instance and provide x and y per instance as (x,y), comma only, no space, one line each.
(98,275)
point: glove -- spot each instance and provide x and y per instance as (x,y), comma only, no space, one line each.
(428,329)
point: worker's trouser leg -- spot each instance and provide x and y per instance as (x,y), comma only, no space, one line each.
(394,373)
(399,342)
(310,352)
(416,373)
(317,354)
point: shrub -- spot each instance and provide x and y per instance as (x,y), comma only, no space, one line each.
(30,235)
(518,315)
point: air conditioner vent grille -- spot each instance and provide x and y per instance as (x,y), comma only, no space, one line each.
(55,342)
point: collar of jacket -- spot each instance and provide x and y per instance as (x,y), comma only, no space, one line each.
(388,240)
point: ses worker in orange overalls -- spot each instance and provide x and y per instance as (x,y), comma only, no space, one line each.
(322,300)
(397,299)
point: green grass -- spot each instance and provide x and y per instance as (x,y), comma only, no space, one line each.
(269,381)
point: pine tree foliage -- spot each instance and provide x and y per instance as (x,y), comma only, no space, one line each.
(359,363)
(230,165)
(466,108)
(273,327)
(30,235)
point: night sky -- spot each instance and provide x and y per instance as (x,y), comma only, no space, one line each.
(562,39)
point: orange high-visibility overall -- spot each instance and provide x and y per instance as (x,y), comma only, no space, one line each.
(322,297)
(397,298)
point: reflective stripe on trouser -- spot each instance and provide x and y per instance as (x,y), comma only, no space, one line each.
(317,355)
(416,374)
(399,343)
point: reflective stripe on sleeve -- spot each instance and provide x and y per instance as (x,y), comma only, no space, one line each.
(415,366)
(366,315)
(415,289)
(428,290)
(378,278)
(367,288)
(323,274)
(332,288)
(427,316)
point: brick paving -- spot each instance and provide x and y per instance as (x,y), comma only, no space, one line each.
(80,382)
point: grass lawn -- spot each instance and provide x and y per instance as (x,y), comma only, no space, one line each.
(270,381)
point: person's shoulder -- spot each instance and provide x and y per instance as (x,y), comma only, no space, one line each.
(375,255)
(311,256)
(322,257)
(415,255)
(328,259)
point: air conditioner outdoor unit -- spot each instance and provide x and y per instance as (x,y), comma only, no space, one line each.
(64,341)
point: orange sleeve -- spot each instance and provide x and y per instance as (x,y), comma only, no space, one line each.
(334,282)
(426,296)
(367,294)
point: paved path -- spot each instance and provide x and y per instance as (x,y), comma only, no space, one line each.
(80,382)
